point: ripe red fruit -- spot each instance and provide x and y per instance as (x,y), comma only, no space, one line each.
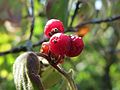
(53,26)
(56,59)
(76,46)
(59,44)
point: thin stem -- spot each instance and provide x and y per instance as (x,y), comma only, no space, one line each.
(98,21)
(75,12)
(31,13)
(22,48)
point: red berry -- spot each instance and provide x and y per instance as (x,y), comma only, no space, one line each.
(56,59)
(59,44)
(53,26)
(76,46)
(45,48)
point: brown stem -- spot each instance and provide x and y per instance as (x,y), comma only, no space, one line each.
(33,18)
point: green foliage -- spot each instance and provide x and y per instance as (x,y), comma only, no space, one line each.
(52,79)
(58,11)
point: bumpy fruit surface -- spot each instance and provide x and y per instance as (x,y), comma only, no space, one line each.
(59,44)
(53,26)
(76,46)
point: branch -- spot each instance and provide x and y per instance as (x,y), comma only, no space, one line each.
(22,48)
(75,12)
(40,42)
(98,21)
(31,13)
(14,50)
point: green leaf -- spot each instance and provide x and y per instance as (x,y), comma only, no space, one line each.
(50,77)
(63,85)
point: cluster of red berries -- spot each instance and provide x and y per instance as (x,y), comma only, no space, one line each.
(60,44)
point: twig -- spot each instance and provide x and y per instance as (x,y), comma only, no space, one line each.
(93,21)
(98,21)
(43,39)
(31,13)
(14,50)
(75,12)
(22,48)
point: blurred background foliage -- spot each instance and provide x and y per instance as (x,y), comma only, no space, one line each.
(98,66)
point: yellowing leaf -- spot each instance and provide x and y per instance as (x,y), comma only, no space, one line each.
(83,31)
